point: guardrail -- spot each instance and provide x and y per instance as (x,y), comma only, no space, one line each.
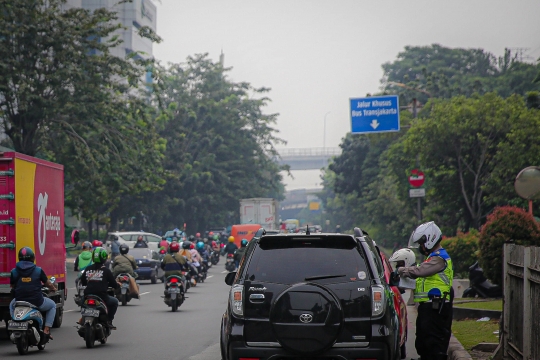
(287,152)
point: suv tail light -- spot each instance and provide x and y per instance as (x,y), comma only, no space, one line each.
(237,300)
(377,296)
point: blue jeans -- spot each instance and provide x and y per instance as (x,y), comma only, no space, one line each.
(48,307)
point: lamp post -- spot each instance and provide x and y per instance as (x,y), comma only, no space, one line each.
(324,135)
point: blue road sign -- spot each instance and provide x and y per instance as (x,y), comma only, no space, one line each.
(374,114)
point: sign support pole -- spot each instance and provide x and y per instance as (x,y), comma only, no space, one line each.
(419,200)
(530,207)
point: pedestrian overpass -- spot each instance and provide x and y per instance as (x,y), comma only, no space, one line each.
(307,158)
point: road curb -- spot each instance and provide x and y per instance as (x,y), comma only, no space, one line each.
(456,351)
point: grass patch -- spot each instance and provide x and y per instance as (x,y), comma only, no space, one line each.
(472,332)
(484,305)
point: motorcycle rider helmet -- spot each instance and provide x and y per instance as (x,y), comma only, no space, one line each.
(99,255)
(243,243)
(211,233)
(407,256)
(231,239)
(427,234)
(191,237)
(87,245)
(186,245)
(198,235)
(124,249)
(174,247)
(27,254)
(200,245)
(96,243)
(214,244)
(191,246)
(216,237)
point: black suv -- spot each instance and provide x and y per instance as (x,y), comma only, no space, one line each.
(303,296)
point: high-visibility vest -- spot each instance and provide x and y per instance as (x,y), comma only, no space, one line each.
(441,280)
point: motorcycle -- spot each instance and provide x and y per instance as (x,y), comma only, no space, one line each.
(122,293)
(79,295)
(174,292)
(95,325)
(229,263)
(26,327)
(203,272)
(480,285)
(214,257)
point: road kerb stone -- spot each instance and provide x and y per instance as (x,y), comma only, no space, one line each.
(456,351)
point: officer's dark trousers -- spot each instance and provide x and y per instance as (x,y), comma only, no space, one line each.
(433,331)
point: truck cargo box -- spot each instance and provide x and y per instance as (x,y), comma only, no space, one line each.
(261,211)
(31,214)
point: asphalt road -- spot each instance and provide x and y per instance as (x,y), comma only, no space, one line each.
(147,329)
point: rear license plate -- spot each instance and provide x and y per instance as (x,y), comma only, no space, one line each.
(15,325)
(90,312)
(174,290)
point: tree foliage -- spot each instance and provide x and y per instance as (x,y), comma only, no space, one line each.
(63,96)
(220,146)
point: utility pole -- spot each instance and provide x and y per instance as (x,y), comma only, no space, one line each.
(418,199)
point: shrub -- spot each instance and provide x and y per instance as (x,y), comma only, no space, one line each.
(504,224)
(463,249)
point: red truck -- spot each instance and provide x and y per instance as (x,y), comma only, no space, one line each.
(32,214)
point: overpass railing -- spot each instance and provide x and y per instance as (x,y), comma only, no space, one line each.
(307,152)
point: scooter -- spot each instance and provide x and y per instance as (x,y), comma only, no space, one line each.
(95,325)
(79,295)
(122,293)
(26,327)
(174,292)
(479,285)
(229,264)
(214,257)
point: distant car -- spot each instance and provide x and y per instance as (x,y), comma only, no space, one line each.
(272,232)
(148,263)
(130,238)
(399,305)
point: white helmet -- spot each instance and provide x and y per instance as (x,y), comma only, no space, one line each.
(427,233)
(406,255)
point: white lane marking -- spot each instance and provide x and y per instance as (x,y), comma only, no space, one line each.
(71,288)
(65,311)
(223,272)
(144,293)
(208,277)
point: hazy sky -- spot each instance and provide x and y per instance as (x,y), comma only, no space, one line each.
(316,54)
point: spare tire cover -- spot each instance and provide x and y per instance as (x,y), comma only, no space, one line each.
(306,318)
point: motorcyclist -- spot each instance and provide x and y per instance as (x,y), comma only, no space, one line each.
(231,247)
(96,244)
(215,246)
(26,282)
(98,278)
(196,257)
(115,247)
(124,263)
(164,244)
(173,263)
(240,252)
(203,252)
(433,292)
(140,243)
(85,257)
(197,237)
(185,251)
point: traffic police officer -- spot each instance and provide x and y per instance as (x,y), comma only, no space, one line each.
(433,292)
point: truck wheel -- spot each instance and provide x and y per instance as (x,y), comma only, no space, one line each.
(58,318)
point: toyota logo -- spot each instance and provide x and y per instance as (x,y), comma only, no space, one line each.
(306,318)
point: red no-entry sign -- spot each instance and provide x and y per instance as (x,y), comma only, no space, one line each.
(416,179)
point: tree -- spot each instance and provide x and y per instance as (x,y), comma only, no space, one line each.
(220,146)
(65,97)
(436,71)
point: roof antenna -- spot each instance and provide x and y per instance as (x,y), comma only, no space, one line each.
(307,230)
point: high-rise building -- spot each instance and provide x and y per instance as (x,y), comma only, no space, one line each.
(132,15)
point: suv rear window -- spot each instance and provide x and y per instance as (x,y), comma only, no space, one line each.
(290,260)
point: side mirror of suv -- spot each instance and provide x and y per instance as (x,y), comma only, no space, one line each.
(229,279)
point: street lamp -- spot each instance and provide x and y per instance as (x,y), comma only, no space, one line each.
(324,135)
